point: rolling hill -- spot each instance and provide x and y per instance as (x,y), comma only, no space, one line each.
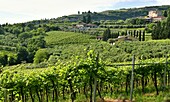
(121,14)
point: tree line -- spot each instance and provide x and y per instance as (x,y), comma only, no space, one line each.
(20,42)
(161,30)
(138,34)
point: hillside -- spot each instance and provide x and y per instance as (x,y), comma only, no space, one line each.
(63,38)
(64,60)
(65,50)
(121,14)
(74,62)
(60,45)
(28,38)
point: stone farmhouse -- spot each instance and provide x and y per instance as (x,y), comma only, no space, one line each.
(154,16)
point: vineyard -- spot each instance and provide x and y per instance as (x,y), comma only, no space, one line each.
(77,79)
(110,56)
(60,38)
(120,52)
(77,67)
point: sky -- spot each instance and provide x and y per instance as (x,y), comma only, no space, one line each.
(17,11)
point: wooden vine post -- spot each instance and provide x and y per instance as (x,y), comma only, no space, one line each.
(165,75)
(5,95)
(132,78)
(95,78)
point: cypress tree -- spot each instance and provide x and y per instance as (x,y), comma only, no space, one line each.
(134,33)
(126,32)
(88,18)
(137,33)
(156,31)
(140,35)
(106,34)
(118,33)
(84,19)
(161,30)
(131,33)
(143,38)
(165,13)
(168,24)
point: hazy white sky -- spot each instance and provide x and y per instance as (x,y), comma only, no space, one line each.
(13,11)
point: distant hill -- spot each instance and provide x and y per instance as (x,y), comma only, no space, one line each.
(132,12)
(121,14)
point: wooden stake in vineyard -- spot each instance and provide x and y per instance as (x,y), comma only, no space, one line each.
(5,95)
(165,75)
(95,79)
(132,78)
